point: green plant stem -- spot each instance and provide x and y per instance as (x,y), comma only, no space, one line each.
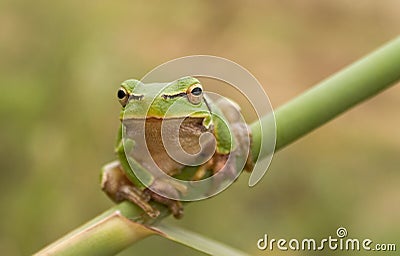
(107,234)
(296,118)
(331,97)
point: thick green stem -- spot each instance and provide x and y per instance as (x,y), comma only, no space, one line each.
(338,93)
(107,234)
(111,232)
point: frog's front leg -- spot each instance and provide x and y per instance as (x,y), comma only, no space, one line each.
(217,163)
(117,186)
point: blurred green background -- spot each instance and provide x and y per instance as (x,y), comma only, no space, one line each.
(62,62)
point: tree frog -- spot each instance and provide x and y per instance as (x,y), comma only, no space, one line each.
(145,109)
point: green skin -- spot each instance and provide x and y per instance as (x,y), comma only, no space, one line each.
(153,101)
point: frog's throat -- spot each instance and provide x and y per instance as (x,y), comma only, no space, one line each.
(159,118)
(207,121)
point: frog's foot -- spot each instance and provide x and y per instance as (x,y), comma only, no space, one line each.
(202,171)
(174,206)
(117,186)
(130,193)
(160,188)
(219,162)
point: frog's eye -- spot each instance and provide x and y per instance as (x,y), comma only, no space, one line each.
(195,93)
(123,96)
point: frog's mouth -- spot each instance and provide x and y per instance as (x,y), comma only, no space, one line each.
(199,120)
(154,125)
(135,122)
(147,118)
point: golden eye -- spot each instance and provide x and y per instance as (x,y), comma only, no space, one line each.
(123,96)
(195,93)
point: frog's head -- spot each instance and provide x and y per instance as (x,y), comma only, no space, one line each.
(181,98)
